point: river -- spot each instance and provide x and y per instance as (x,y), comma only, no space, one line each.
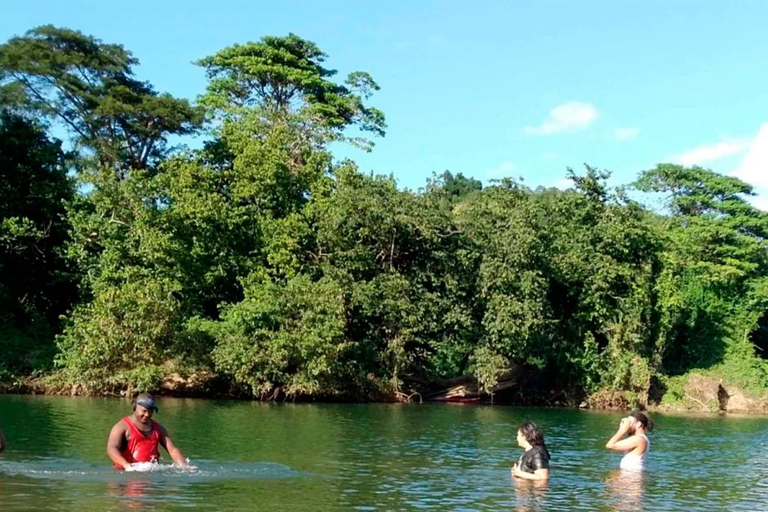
(328,457)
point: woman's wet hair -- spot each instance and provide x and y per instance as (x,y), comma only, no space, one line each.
(643,419)
(532,433)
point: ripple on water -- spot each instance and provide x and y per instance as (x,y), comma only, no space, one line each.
(328,458)
(204,471)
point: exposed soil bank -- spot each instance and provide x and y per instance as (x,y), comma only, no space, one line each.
(699,394)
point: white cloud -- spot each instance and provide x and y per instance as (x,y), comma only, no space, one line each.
(760,201)
(626,133)
(753,168)
(568,117)
(708,153)
(563,184)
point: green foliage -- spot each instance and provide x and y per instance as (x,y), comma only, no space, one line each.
(282,80)
(488,366)
(452,187)
(714,258)
(560,271)
(123,336)
(89,87)
(287,336)
(36,284)
(262,260)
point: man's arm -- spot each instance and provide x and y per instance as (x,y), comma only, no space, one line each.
(173,451)
(2,442)
(114,443)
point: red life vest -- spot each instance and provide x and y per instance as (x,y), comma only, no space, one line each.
(141,447)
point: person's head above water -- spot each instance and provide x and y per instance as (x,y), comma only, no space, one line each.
(641,420)
(529,434)
(144,406)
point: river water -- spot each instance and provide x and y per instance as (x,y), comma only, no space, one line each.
(325,457)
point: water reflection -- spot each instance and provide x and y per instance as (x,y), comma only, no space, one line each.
(134,494)
(326,458)
(625,490)
(530,495)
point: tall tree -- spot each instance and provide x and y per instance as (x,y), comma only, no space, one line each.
(36,284)
(716,227)
(713,288)
(89,87)
(282,80)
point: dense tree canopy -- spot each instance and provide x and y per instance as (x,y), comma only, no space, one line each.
(36,283)
(281,80)
(89,87)
(263,266)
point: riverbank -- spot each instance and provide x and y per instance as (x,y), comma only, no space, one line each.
(695,392)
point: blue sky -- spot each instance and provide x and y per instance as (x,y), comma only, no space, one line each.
(491,89)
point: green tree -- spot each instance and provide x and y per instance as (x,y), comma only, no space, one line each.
(714,261)
(124,336)
(264,261)
(89,87)
(281,80)
(453,187)
(36,283)
(286,337)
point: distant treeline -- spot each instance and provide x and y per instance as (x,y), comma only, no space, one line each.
(262,263)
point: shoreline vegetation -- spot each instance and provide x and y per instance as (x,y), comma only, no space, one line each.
(260,266)
(699,394)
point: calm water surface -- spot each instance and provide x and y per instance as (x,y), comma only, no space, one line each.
(270,457)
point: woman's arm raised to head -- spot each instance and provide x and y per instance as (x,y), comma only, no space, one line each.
(624,445)
(617,443)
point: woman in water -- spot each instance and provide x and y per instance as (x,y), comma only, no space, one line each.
(534,463)
(636,444)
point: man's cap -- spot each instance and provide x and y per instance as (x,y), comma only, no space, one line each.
(147,401)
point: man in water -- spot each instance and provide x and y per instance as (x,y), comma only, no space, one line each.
(136,438)
(2,442)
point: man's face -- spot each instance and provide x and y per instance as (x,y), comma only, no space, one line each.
(143,414)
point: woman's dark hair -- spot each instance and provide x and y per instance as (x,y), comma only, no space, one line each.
(643,419)
(532,433)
